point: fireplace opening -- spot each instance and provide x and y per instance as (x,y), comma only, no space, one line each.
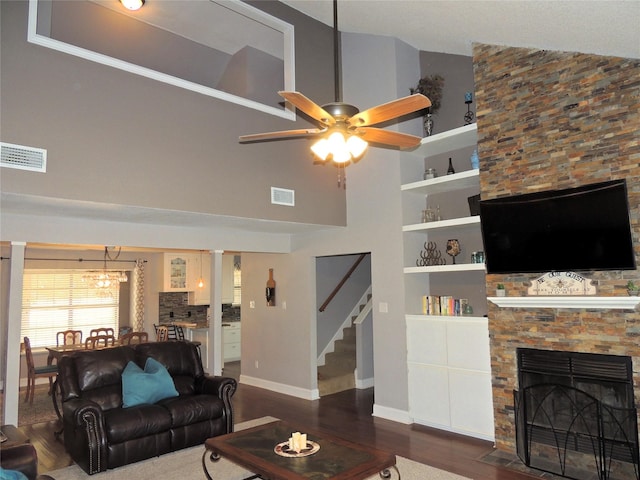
(575,414)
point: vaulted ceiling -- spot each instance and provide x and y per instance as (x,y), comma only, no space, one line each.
(608,27)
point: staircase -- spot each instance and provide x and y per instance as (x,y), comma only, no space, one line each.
(338,372)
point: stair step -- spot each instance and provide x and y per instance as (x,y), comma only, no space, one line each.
(336,384)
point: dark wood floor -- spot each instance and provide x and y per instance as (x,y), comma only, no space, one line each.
(347,414)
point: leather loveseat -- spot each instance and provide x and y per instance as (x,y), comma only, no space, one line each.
(100,433)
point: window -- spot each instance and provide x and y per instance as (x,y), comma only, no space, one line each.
(56,300)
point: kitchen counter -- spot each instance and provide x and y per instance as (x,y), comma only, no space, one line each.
(198,332)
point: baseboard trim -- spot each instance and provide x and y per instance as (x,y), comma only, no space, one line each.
(361,384)
(280,387)
(400,416)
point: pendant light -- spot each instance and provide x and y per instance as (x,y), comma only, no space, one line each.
(201,279)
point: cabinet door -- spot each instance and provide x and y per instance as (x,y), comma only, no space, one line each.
(429,395)
(175,272)
(471,403)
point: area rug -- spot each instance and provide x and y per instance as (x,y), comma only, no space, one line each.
(41,410)
(186,464)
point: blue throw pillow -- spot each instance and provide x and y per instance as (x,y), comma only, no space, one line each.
(146,386)
(11,475)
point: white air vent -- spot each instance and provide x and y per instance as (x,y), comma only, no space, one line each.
(23,158)
(282,196)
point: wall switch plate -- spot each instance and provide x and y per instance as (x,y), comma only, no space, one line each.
(383,307)
(252,304)
(284,305)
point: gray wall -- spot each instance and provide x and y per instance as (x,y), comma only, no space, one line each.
(377,70)
(457,71)
(107,131)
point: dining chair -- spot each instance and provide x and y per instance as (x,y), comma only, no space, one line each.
(162,332)
(69,337)
(99,341)
(102,331)
(179,332)
(34,372)
(134,337)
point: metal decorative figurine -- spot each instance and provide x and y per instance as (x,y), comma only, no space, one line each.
(468,117)
(430,256)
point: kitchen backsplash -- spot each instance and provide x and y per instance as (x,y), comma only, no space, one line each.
(174,307)
(230,312)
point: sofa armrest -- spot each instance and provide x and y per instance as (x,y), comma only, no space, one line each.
(222,387)
(84,434)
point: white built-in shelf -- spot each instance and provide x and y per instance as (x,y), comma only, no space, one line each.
(621,303)
(448,318)
(448,141)
(458,267)
(447,183)
(450,223)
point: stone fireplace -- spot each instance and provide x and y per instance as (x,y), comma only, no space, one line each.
(553,120)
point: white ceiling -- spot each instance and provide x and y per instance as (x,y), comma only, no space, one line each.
(602,27)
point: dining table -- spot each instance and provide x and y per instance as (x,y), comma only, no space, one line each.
(57,352)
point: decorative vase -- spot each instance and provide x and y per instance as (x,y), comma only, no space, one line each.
(475,161)
(500,292)
(428,124)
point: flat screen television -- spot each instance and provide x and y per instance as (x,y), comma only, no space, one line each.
(582,228)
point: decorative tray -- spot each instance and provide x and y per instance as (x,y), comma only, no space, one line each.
(283,450)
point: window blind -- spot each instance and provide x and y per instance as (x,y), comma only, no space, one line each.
(57,300)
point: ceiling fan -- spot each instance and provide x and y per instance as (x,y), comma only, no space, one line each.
(344,132)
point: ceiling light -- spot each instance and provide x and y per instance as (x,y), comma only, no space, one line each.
(201,279)
(340,150)
(132,4)
(105,279)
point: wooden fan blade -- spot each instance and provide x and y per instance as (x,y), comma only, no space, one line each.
(257,137)
(312,109)
(390,110)
(388,138)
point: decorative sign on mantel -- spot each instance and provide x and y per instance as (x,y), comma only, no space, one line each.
(562,283)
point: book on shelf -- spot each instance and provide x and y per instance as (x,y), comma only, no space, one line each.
(442,305)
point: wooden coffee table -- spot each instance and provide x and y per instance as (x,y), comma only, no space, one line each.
(338,459)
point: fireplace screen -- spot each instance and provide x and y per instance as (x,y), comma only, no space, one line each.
(575,415)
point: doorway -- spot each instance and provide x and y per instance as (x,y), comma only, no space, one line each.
(344,326)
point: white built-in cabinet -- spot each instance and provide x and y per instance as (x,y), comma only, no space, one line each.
(182,272)
(231,333)
(449,368)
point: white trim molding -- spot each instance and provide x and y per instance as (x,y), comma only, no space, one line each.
(574,302)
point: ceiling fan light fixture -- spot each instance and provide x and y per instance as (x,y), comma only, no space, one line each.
(132,4)
(321,149)
(340,150)
(357,146)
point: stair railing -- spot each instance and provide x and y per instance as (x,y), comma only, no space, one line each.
(363,313)
(342,282)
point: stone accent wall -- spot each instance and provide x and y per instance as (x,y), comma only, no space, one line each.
(553,120)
